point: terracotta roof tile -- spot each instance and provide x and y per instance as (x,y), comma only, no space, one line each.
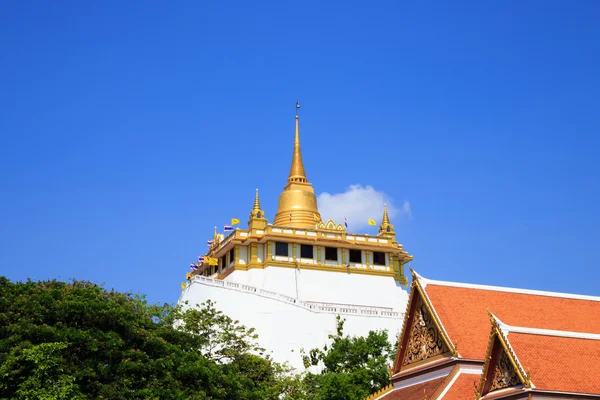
(559,363)
(463,387)
(415,392)
(463,312)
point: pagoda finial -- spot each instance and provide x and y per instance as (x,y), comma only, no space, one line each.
(215,235)
(297,173)
(385,219)
(257,216)
(386,228)
(256,202)
(297,203)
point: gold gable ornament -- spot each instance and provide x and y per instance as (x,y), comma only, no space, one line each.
(505,374)
(424,340)
(330,226)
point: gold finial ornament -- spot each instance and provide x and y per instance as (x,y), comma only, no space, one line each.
(297,203)
(385,219)
(256,202)
(297,173)
(216,238)
(257,215)
(386,228)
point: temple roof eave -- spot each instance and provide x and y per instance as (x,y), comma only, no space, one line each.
(240,236)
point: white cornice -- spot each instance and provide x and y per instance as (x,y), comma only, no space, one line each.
(507,329)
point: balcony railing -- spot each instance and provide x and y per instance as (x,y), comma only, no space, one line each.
(316,307)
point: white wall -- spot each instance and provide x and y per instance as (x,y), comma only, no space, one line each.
(326,286)
(283,328)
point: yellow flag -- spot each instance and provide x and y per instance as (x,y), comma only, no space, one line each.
(372,222)
(182,285)
(234,221)
(211,260)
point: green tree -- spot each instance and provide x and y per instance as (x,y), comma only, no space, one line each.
(218,337)
(351,367)
(79,341)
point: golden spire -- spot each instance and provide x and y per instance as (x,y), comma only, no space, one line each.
(256,202)
(257,216)
(297,173)
(386,228)
(297,203)
(215,235)
(385,219)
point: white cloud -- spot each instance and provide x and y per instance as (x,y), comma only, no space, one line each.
(406,210)
(358,204)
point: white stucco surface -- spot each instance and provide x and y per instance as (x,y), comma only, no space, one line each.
(293,308)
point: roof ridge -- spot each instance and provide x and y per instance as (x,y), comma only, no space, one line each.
(547,332)
(425,281)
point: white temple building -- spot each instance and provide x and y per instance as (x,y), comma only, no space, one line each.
(290,279)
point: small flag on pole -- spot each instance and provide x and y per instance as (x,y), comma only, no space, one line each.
(234,221)
(193,267)
(227,228)
(372,222)
(212,260)
(209,242)
(345,222)
(182,285)
(200,259)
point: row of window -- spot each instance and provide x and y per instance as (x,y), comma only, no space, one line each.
(331,253)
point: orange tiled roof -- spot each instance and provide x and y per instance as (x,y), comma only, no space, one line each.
(559,363)
(463,387)
(419,391)
(463,311)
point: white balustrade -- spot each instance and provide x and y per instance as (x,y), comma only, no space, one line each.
(348,309)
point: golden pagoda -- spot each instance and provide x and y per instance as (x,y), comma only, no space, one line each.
(298,238)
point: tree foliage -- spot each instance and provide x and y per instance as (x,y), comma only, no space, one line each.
(351,367)
(79,341)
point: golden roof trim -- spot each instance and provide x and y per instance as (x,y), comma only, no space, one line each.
(498,334)
(436,320)
(380,392)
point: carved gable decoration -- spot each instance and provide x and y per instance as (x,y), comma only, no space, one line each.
(505,374)
(330,226)
(424,338)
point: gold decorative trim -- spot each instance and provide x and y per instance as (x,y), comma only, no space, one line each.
(411,297)
(425,340)
(330,225)
(428,360)
(505,374)
(497,335)
(436,318)
(315,267)
(236,236)
(417,290)
(380,392)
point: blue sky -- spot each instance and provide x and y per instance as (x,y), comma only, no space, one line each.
(130,130)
